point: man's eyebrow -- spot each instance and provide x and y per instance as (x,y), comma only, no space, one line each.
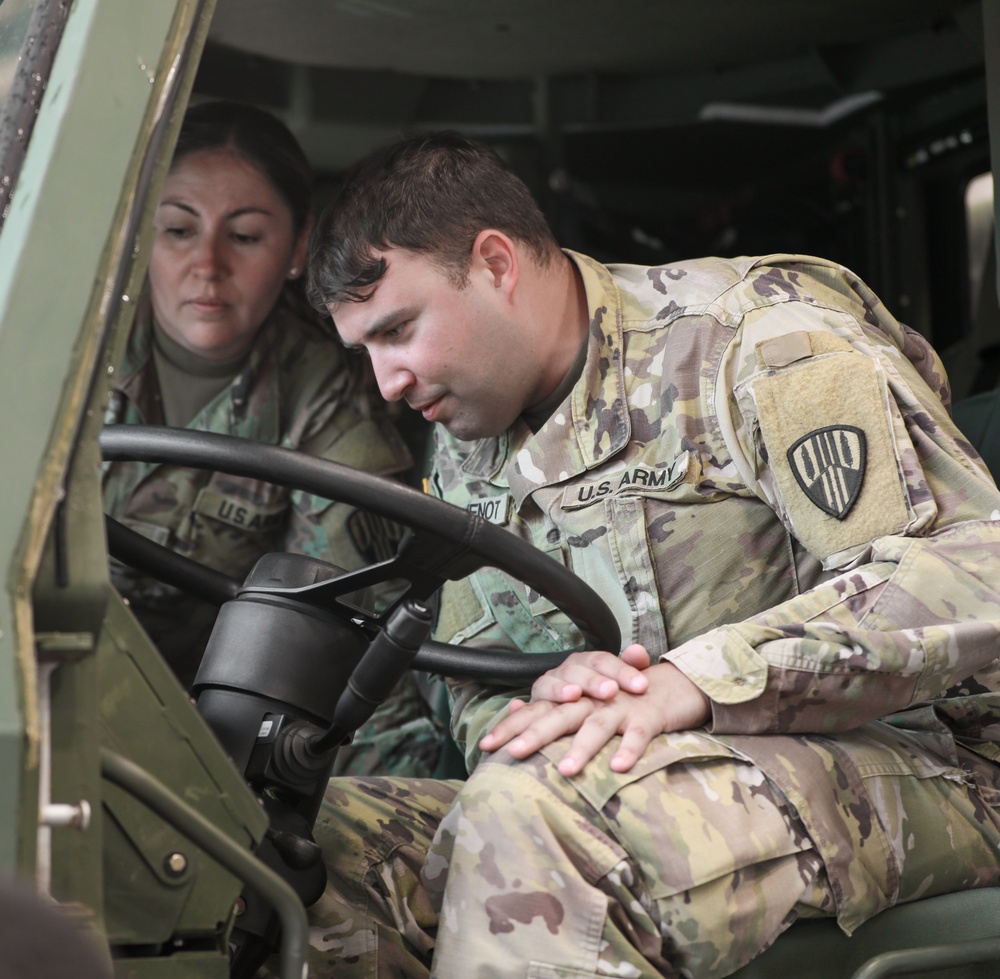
(385,321)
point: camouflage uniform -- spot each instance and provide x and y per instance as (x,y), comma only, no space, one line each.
(292,391)
(758,472)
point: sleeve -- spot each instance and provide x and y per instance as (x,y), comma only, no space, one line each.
(839,433)
(331,419)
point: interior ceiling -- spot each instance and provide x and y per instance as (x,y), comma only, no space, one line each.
(527,38)
(347,75)
(648,128)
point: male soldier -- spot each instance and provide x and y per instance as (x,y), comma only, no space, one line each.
(752,462)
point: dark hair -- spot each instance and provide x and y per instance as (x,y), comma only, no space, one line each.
(261,139)
(432,194)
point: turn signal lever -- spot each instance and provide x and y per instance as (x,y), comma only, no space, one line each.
(304,749)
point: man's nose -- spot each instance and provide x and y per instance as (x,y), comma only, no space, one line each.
(393,379)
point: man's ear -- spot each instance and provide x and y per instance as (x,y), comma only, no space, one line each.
(495,257)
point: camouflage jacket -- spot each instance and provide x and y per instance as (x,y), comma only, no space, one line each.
(758,471)
(293,390)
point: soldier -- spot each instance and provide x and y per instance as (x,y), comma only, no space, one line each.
(753,462)
(223,342)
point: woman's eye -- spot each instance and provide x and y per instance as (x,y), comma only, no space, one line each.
(178,232)
(242,239)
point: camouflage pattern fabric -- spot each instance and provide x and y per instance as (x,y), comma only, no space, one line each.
(293,391)
(655,872)
(758,471)
(404,736)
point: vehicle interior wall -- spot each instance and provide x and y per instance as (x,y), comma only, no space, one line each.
(841,132)
(820,128)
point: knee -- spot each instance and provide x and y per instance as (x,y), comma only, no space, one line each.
(506,801)
(503,776)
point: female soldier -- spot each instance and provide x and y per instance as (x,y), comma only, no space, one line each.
(222,343)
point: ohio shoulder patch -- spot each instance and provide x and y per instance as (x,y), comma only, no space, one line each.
(375,538)
(825,430)
(829,465)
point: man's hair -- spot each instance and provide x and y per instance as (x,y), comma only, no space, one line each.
(431,194)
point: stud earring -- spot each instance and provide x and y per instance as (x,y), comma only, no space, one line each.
(293,271)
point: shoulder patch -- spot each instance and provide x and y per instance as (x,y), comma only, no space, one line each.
(829,465)
(825,446)
(375,538)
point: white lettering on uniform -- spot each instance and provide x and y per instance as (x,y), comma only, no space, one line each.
(496,509)
(637,479)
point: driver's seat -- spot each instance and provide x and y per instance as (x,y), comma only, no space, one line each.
(954,935)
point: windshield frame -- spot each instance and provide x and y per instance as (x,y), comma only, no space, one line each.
(74,247)
(23,100)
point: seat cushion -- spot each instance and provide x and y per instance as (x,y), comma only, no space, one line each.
(818,949)
(979,419)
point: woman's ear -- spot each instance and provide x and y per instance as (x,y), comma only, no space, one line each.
(494,256)
(300,250)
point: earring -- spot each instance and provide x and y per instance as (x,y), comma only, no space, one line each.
(293,271)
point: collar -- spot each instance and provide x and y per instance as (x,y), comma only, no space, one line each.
(249,407)
(590,425)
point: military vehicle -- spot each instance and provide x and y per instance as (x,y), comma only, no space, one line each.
(176,834)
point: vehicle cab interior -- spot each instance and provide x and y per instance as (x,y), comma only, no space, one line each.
(174,830)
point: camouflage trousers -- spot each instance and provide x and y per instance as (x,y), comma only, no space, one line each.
(403,737)
(690,865)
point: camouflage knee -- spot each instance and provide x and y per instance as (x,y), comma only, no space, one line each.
(375,918)
(695,864)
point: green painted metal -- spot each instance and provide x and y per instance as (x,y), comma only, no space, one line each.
(199,965)
(952,960)
(968,922)
(145,716)
(196,828)
(54,259)
(73,251)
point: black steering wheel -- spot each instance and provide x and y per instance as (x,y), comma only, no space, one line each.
(286,638)
(445,543)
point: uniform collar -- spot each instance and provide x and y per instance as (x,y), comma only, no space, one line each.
(249,407)
(136,377)
(589,427)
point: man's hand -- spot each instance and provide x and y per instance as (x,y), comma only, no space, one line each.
(596,696)
(595,674)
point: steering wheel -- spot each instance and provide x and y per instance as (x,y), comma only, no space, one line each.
(446,542)
(284,639)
